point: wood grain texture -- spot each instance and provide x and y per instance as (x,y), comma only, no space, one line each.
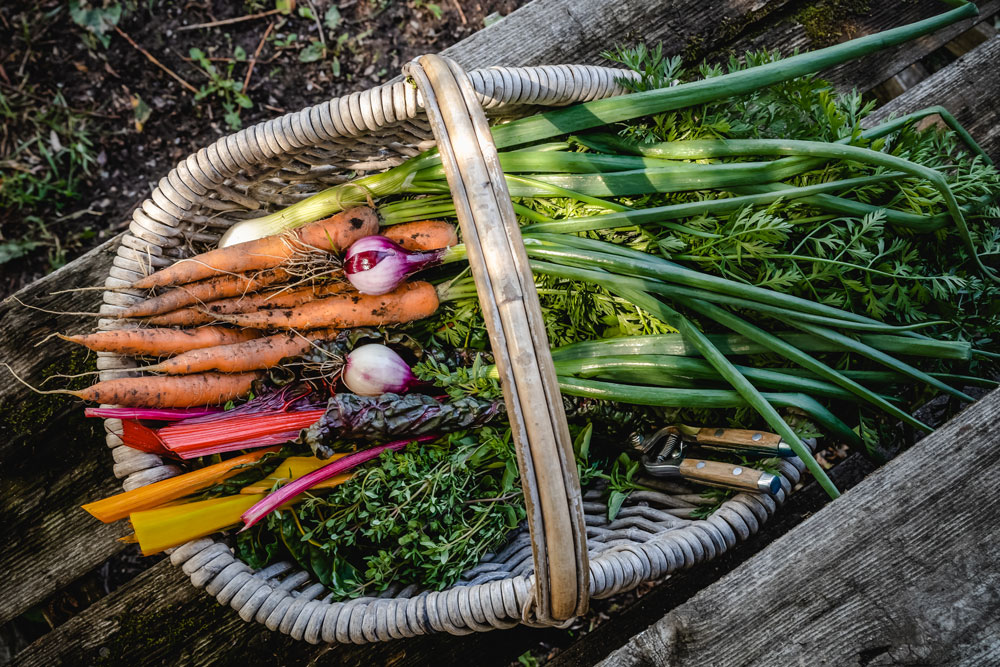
(790,34)
(550,32)
(716,473)
(901,569)
(968,88)
(738,437)
(52,460)
(490,229)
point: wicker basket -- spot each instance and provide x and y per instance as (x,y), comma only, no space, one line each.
(569,552)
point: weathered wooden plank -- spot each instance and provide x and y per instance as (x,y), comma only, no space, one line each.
(554,31)
(968,88)
(901,569)
(157,618)
(549,32)
(52,460)
(826,27)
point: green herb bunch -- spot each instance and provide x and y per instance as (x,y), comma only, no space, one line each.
(419,516)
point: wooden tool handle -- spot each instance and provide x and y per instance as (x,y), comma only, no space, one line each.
(506,290)
(715,473)
(733,437)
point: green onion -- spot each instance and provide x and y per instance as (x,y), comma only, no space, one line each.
(705,399)
(665,371)
(794,353)
(851,345)
(602,112)
(739,345)
(729,372)
(660,214)
(701,149)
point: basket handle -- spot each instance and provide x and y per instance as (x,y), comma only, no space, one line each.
(513,317)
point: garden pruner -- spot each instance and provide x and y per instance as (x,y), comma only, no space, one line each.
(663,455)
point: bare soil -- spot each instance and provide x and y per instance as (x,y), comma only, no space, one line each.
(88,130)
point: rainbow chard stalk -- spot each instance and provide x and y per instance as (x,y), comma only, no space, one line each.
(276,499)
(155,414)
(376,265)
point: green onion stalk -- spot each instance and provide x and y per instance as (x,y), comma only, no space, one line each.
(637,277)
(541,127)
(702,149)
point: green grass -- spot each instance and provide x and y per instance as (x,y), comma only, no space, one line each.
(46,157)
(222,86)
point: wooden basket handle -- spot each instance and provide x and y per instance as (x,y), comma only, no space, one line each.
(513,317)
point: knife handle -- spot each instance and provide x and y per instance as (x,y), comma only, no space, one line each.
(716,473)
(734,438)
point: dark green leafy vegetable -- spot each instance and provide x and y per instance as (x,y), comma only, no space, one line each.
(394,416)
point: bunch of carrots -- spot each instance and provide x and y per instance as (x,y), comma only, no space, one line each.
(214,322)
(259,287)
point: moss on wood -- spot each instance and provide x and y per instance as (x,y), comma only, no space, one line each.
(827,22)
(23,416)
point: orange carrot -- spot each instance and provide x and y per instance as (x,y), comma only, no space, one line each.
(286,298)
(155,494)
(182,317)
(167,391)
(248,356)
(422,235)
(161,342)
(408,302)
(210,289)
(335,233)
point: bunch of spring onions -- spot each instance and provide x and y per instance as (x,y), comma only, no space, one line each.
(612,168)
(416,175)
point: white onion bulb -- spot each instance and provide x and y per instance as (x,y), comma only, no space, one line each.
(374,369)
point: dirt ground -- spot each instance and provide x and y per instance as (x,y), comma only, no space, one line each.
(91,123)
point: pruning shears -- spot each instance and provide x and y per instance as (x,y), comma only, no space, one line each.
(742,441)
(663,455)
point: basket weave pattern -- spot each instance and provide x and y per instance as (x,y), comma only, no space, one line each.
(280,162)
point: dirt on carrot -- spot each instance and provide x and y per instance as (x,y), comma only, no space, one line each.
(169,391)
(161,342)
(422,235)
(408,302)
(260,353)
(210,289)
(280,298)
(334,234)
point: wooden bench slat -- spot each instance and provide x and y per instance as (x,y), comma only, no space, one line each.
(52,461)
(552,32)
(868,72)
(968,88)
(900,569)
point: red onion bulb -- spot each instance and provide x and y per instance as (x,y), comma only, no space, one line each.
(375,265)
